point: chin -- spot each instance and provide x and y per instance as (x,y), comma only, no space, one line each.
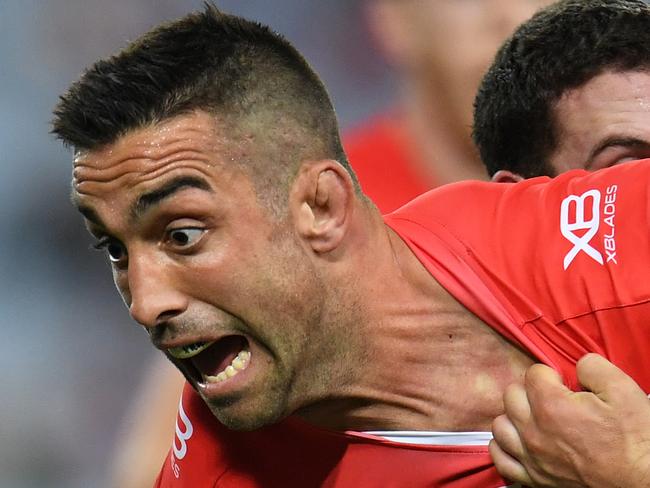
(235,416)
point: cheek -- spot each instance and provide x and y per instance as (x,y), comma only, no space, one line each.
(224,277)
(120,278)
(277,286)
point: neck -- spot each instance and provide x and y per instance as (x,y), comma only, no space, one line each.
(441,135)
(422,361)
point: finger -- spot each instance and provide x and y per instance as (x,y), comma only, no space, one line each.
(608,382)
(516,406)
(507,466)
(506,435)
(543,384)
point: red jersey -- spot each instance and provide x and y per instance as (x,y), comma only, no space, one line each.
(556,266)
(382,156)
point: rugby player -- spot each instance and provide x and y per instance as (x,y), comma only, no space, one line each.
(439,52)
(323,344)
(571,88)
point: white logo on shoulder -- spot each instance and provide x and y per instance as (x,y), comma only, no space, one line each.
(181,438)
(581,223)
(579,229)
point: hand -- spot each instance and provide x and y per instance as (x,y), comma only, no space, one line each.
(551,436)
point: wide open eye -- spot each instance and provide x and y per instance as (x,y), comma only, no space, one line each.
(114,249)
(185,237)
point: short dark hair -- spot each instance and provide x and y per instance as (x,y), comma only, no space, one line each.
(211,61)
(560,48)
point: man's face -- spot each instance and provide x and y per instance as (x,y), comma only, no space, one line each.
(223,288)
(604,122)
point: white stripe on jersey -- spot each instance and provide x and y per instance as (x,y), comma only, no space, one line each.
(432,438)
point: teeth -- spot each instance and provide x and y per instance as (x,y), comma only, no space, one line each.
(190,350)
(238,364)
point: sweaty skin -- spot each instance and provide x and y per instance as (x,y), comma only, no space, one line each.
(173,256)
(603,122)
(600,124)
(198,259)
(440,50)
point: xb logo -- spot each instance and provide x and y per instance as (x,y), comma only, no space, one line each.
(571,224)
(182,436)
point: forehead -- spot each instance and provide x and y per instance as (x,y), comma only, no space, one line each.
(610,111)
(607,100)
(197,132)
(109,183)
(193,143)
(611,86)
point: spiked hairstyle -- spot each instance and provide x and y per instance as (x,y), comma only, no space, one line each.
(222,64)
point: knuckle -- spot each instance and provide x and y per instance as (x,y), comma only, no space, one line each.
(533,441)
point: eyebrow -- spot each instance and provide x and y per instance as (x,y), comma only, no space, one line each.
(616,141)
(147,200)
(89,214)
(155,197)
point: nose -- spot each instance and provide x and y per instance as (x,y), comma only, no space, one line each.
(153,294)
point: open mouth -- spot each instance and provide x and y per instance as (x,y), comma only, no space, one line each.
(216,361)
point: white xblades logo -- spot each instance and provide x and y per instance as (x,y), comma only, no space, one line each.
(579,229)
(182,436)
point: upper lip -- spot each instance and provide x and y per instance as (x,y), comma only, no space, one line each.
(164,345)
(169,334)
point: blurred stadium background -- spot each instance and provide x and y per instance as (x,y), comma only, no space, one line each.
(72,356)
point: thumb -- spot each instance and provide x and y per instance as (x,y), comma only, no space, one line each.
(543,383)
(597,375)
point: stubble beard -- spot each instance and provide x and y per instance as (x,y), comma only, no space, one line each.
(264,409)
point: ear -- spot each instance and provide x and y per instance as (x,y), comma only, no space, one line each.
(321,201)
(505,176)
